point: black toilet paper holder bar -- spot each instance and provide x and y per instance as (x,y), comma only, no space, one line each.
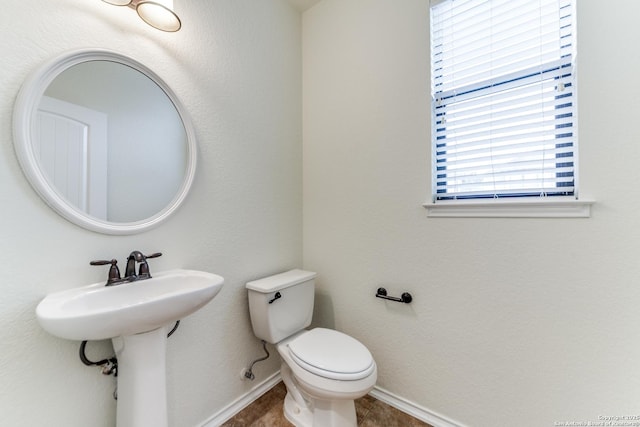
(405,297)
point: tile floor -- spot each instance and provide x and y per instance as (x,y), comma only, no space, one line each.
(267,412)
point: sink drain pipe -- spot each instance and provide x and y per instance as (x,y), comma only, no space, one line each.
(247,374)
(110,366)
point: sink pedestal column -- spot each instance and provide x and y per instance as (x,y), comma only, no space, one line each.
(142,390)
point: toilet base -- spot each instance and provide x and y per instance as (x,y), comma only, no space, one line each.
(320,413)
(295,414)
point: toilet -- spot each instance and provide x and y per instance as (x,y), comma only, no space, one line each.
(323,370)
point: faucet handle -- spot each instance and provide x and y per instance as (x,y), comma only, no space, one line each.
(143,270)
(114,271)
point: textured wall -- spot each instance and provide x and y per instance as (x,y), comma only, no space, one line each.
(515,321)
(236,67)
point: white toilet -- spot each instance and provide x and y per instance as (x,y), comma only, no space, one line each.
(324,370)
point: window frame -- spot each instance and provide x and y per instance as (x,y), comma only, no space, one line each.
(510,205)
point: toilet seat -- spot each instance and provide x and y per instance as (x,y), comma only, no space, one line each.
(331,354)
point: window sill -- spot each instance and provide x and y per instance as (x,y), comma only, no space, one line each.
(563,208)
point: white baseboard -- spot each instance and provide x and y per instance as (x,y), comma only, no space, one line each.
(379,393)
(416,411)
(242,402)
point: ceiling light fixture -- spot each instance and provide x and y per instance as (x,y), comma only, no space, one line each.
(157,13)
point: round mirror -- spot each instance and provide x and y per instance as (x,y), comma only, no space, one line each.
(104,141)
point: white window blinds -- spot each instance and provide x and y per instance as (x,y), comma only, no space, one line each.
(503,107)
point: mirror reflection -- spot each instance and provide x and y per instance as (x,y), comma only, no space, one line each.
(110,141)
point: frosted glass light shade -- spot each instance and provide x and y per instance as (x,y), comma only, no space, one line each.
(159,14)
(118,2)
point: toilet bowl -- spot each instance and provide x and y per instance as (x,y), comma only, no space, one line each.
(322,386)
(324,370)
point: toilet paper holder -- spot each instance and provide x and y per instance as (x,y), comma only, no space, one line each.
(405,297)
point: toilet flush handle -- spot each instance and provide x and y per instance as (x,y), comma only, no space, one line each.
(278,295)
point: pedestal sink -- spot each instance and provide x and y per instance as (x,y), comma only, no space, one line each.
(135,317)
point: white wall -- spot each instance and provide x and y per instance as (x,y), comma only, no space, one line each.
(521,322)
(236,66)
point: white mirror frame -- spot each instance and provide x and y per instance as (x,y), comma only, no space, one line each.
(24,117)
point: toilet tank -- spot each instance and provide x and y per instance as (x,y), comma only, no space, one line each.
(281,305)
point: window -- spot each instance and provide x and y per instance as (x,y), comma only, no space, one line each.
(503,99)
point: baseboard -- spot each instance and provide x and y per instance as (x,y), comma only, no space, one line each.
(416,411)
(242,402)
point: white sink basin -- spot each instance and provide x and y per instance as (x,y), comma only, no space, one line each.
(97,312)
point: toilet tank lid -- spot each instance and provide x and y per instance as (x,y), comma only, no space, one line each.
(280,281)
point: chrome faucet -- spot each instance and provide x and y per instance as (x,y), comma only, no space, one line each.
(130,271)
